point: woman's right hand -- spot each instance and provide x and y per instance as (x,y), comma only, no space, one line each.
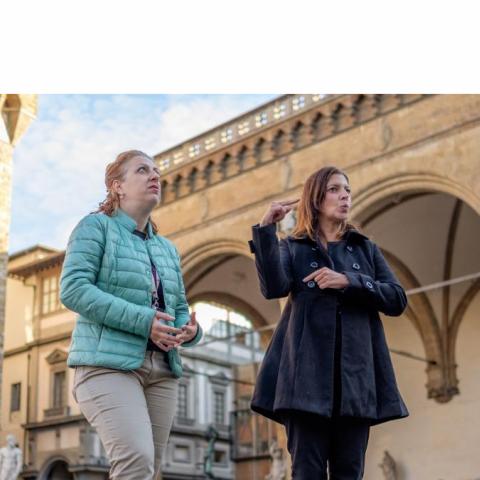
(162,335)
(277,211)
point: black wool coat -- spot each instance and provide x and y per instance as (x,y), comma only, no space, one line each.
(297,372)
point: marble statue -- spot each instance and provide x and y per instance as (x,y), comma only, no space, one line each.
(10,459)
(278,470)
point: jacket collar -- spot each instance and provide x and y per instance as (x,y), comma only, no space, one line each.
(129,223)
(350,236)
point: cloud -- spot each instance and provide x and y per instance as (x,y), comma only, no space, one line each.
(59,164)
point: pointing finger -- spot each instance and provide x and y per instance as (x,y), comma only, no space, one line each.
(310,277)
(288,202)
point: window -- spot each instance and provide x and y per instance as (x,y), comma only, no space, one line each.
(181,453)
(219,329)
(182,403)
(15,397)
(219,407)
(220,457)
(59,390)
(50,295)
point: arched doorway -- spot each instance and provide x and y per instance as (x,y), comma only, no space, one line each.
(57,469)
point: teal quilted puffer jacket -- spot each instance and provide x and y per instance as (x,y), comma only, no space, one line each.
(106,279)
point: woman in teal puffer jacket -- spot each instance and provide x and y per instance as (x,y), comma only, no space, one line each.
(126,284)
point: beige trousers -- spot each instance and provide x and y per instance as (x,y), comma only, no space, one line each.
(132,412)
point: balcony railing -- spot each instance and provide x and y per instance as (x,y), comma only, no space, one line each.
(196,165)
(62,411)
(238,129)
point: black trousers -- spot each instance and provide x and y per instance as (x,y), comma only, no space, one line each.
(316,443)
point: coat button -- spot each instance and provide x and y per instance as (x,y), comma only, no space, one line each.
(349,248)
(369,284)
(314,248)
(356,266)
(314,264)
(311,284)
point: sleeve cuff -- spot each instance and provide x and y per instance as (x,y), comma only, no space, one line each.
(359,281)
(195,339)
(354,280)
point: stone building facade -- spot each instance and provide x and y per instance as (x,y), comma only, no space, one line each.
(39,408)
(414,167)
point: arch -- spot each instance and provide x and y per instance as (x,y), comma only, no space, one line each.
(55,468)
(259,150)
(208,172)
(192,179)
(374,193)
(210,253)
(438,334)
(164,185)
(241,158)
(224,165)
(176,185)
(419,310)
(365,107)
(233,301)
(278,140)
(298,134)
(343,114)
(321,126)
(457,318)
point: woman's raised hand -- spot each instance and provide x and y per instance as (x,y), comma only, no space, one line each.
(277,211)
(162,335)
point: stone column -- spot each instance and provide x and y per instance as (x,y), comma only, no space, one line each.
(5,204)
(17,111)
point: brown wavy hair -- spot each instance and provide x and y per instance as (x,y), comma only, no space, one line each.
(309,207)
(116,171)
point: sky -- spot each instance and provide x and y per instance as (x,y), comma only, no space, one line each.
(59,164)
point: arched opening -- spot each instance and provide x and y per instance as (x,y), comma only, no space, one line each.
(225,274)
(225,321)
(57,470)
(223,288)
(428,237)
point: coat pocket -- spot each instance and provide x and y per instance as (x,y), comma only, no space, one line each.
(119,342)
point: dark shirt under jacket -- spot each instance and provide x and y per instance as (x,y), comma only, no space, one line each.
(159,302)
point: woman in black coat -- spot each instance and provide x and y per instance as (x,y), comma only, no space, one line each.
(327,374)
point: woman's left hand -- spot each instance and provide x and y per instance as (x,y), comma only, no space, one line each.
(327,278)
(189,330)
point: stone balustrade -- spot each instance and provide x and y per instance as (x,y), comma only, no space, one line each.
(274,130)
